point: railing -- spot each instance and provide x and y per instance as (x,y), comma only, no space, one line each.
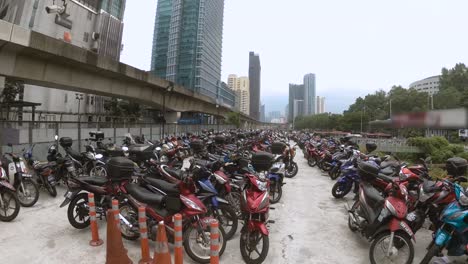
(41,133)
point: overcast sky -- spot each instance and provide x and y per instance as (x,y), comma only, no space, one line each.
(354,47)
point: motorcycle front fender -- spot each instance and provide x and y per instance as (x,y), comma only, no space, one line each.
(69,197)
(258,226)
(395,225)
(7,185)
(442,237)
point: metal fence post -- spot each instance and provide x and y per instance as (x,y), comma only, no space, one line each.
(151,132)
(115,130)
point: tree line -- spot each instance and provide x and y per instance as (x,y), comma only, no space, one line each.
(453,93)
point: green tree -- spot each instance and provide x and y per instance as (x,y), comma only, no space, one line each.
(233,118)
(11,91)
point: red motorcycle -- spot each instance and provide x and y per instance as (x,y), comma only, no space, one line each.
(162,205)
(255,201)
(382,220)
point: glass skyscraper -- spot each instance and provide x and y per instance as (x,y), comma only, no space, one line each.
(187,44)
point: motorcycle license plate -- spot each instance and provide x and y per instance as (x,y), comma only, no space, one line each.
(24,175)
(68,195)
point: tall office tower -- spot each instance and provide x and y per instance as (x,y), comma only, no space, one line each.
(187,46)
(262,113)
(255,85)
(96,25)
(309,94)
(296,93)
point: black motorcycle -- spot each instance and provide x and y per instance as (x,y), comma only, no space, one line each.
(9,203)
(45,171)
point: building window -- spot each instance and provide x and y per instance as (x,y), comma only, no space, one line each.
(86,37)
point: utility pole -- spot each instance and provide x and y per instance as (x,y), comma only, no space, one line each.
(79,97)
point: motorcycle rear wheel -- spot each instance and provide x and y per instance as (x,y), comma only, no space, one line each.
(33,189)
(8,196)
(246,250)
(292,170)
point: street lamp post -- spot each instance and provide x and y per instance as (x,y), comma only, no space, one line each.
(362,110)
(169,89)
(79,97)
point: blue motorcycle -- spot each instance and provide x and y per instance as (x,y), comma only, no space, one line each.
(345,183)
(453,234)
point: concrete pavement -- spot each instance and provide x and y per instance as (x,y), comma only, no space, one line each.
(311,227)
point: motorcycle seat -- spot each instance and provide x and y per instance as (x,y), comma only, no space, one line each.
(164,186)
(178,174)
(99,181)
(143,195)
(429,186)
(387,171)
(44,164)
(384,177)
(385,164)
(373,196)
(74,154)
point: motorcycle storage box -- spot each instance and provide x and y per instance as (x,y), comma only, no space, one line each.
(120,168)
(370,147)
(96,135)
(262,161)
(278,148)
(197,146)
(367,171)
(65,142)
(219,139)
(456,166)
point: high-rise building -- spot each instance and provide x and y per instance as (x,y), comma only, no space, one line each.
(187,45)
(320,105)
(262,113)
(309,94)
(296,92)
(255,85)
(273,115)
(241,86)
(95,25)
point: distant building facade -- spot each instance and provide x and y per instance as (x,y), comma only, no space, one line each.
(262,113)
(187,45)
(428,85)
(241,87)
(96,25)
(320,105)
(296,93)
(255,85)
(309,94)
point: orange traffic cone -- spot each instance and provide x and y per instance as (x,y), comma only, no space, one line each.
(161,254)
(116,252)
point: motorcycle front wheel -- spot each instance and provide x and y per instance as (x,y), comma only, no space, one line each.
(11,205)
(197,247)
(402,254)
(276,191)
(228,219)
(78,212)
(50,188)
(340,190)
(28,193)
(312,161)
(254,247)
(292,170)
(431,252)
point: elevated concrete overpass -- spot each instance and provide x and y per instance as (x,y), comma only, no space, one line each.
(41,60)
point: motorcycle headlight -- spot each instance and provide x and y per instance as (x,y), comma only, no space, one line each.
(262,185)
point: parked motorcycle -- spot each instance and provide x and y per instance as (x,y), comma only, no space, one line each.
(44,171)
(9,203)
(255,202)
(382,220)
(20,178)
